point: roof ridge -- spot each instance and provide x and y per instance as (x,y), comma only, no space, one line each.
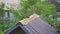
(27,20)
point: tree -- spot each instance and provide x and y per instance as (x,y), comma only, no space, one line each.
(2,12)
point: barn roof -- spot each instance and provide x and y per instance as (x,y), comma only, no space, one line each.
(35,25)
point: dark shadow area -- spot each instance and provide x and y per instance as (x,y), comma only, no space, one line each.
(18,30)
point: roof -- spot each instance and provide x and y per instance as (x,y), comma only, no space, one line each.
(16,26)
(35,25)
(27,20)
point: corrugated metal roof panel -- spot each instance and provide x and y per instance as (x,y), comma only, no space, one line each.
(38,26)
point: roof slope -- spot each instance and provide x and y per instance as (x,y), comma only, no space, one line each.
(37,26)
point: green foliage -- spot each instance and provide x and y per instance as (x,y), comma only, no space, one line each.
(2,12)
(0,32)
(38,7)
(28,7)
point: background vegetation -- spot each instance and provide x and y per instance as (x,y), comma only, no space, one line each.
(46,10)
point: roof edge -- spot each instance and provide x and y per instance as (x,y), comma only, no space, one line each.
(27,20)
